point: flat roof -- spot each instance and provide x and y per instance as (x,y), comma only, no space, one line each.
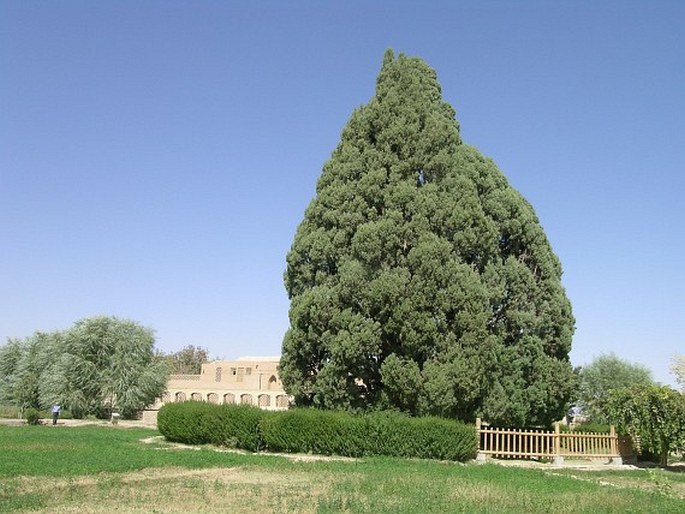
(277,358)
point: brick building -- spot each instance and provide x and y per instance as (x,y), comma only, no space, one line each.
(247,380)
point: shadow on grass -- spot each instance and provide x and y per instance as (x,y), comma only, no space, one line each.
(675,467)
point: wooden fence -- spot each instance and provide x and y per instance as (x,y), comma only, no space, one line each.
(542,444)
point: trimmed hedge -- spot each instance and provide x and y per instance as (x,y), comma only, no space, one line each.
(317,431)
(193,422)
(314,431)
(33,417)
(381,433)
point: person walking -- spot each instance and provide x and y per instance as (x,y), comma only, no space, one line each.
(55,413)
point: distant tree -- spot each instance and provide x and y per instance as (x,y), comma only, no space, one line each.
(654,413)
(188,360)
(109,363)
(419,279)
(600,377)
(678,368)
(99,365)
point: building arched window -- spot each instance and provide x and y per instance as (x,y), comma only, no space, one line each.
(272,382)
(217,376)
(229,398)
(213,398)
(264,400)
(196,397)
(246,399)
(180,396)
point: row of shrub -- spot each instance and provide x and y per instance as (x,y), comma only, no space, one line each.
(317,431)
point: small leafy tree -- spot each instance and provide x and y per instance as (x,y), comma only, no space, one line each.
(188,360)
(603,375)
(109,364)
(656,414)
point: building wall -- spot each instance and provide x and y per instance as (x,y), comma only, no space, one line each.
(248,380)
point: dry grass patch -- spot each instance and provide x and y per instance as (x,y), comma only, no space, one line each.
(181,490)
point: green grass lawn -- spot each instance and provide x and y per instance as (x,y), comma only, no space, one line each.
(109,469)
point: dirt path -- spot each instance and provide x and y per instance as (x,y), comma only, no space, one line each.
(126,423)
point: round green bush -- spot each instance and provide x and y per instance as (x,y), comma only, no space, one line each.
(32,417)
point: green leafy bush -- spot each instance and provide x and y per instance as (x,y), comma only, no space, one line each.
(32,417)
(399,435)
(237,426)
(194,422)
(187,422)
(314,431)
(655,414)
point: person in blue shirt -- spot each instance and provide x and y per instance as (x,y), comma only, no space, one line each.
(55,413)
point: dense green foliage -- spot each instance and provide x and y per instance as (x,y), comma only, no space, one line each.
(108,469)
(419,279)
(33,417)
(314,431)
(600,377)
(101,364)
(656,414)
(193,422)
(317,431)
(378,433)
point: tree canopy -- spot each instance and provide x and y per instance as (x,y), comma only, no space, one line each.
(188,360)
(99,365)
(419,279)
(600,377)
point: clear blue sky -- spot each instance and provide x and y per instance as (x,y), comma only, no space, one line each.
(156,157)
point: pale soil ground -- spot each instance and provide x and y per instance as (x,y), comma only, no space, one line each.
(82,422)
(590,464)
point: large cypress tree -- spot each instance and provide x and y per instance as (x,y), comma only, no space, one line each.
(419,278)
